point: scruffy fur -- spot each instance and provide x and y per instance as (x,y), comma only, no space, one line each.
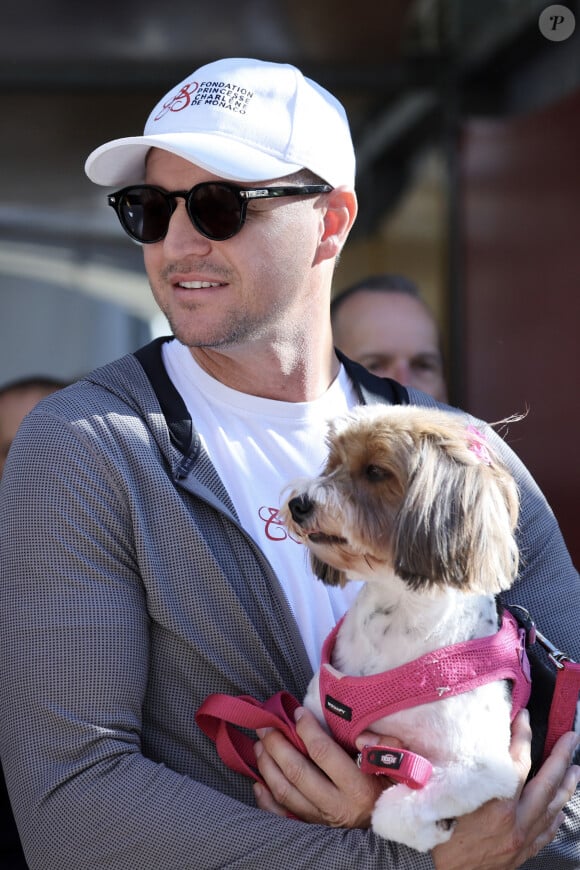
(415,504)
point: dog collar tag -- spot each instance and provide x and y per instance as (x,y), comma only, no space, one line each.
(398,764)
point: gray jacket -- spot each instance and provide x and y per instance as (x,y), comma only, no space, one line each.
(129,592)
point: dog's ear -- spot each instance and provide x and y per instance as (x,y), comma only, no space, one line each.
(330,576)
(455,526)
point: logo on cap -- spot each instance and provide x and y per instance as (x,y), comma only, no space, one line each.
(180,100)
(222,94)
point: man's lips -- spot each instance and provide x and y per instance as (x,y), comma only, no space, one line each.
(198,285)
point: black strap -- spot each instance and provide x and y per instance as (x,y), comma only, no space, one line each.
(173,407)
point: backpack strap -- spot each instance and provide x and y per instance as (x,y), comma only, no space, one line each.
(172,405)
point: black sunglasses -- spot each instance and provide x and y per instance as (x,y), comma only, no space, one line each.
(216,209)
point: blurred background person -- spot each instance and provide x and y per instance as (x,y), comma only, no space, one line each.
(383,323)
(17,398)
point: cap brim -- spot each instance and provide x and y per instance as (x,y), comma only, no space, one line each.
(122,161)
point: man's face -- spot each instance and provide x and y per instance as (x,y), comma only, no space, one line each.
(245,290)
(14,406)
(393,335)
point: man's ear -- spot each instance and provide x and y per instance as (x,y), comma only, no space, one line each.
(338,217)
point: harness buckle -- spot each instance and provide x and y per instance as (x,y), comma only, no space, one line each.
(556,655)
(525,621)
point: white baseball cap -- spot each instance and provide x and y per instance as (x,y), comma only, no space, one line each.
(240,119)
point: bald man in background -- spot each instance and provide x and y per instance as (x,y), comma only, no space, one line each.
(383,323)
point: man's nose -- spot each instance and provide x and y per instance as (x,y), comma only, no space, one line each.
(400,371)
(182,237)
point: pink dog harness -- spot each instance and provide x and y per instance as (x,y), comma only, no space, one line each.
(352,703)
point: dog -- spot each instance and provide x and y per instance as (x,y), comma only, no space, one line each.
(414,502)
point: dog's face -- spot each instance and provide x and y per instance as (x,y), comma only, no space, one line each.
(410,490)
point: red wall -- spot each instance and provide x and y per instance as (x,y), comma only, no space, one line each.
(520,336)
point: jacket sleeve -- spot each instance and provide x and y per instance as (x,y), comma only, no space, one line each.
(75,639)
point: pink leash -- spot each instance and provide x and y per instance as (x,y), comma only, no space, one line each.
(566,694)
(563,709)
(220,717)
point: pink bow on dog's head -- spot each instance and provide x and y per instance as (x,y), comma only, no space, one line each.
(477,445)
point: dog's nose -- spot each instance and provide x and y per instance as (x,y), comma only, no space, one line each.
(301,508)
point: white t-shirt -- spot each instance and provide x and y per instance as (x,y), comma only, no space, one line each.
(259,446)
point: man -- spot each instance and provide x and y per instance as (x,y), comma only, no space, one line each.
(143,504)
(383,323)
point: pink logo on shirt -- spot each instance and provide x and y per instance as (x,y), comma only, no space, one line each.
(273,525)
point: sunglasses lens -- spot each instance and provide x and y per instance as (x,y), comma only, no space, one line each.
(145,214)
(216,210)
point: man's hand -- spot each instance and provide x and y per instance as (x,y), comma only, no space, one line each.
(328,788)
(503,834)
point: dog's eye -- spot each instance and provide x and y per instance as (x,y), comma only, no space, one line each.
(375,473)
